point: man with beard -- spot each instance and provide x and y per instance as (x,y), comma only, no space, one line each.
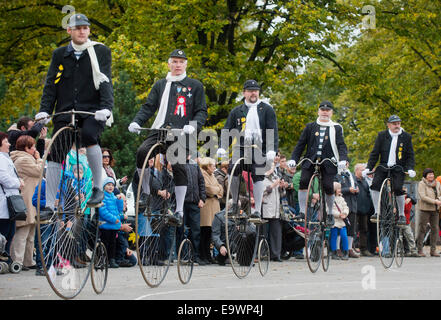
(258,121)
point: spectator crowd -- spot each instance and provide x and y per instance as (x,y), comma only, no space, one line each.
(352,235)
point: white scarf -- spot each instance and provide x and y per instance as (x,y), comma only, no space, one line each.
(160,117)
(331,125)
(98,76)
(392,160)
(252,126)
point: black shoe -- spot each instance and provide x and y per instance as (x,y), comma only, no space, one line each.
(233,211)
(255,215)
(124,263)
(277,260)
(401,221)
(200,262)
(374,218)
(299,256)
(113,264)
(96,198)
(174,220)
(335,256)
(39,272)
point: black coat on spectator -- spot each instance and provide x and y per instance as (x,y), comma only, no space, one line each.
(364,200)
(350,198)
(195,184)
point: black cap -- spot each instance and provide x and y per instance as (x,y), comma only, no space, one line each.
(326,105)
(251,85)
(394,118)
(178,53)
(78,19)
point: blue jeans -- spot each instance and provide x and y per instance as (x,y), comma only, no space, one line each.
(343,236)
(46,245)
(121,248)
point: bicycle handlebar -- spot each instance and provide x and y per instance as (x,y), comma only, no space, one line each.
(332,160)
(387,168)
(72,112)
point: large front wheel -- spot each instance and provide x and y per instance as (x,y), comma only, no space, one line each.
(314,224)
(66,236)
(386,224)
(241,234)
(155,235)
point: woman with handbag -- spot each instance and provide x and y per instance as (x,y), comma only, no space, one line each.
(11,185)
(29,166)
(429,194)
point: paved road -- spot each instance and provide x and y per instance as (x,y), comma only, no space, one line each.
(365,278)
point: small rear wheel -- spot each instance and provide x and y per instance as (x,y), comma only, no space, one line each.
(185,261)
(399,252)
(326,254)
(100,268)
(263,255)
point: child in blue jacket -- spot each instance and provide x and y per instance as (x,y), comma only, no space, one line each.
(110,217)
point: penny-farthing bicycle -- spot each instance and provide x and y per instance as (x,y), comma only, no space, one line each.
(389,233)
(66,238)
(155,229)
(317,247)
(242,232)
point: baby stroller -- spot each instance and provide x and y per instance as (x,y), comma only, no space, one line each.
(293,236)
(6,263)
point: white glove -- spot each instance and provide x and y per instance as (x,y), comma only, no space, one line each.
(221,153)
(270,155)
(102,115)
(342,164)
(364,172)
(411,173)
(44,116)
(134,128)
(291,163)
(188,129)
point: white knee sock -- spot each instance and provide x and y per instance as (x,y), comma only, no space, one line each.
(95,160)
(302,195)
(145,179)
(375,195)
(350,241)
(235,188)
(329,198)
(180,192)
(53,177)
(400,205)
(258,189)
